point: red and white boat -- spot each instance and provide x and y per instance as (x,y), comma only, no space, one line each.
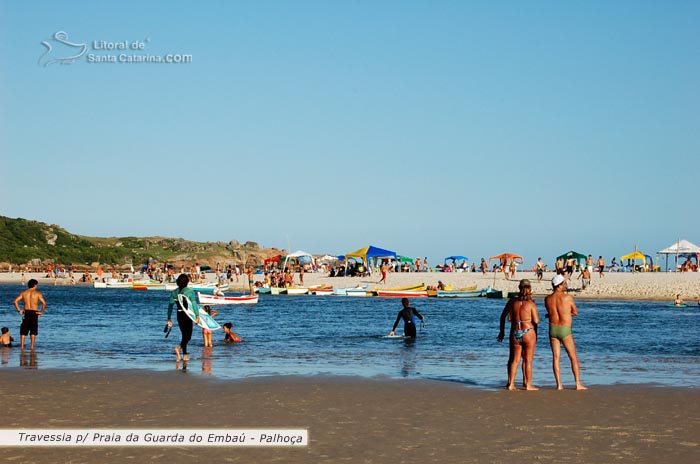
(321,290)
(205,299)
(403,293)
(416,291)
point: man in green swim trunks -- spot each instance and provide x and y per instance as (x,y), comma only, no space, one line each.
(560,311)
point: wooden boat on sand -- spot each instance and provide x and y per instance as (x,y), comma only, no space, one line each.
(413,291)
(463,293)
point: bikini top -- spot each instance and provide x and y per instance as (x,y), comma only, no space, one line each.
(522,321)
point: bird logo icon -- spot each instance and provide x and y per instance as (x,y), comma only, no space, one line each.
(59,50)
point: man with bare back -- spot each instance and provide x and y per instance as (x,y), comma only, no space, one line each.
(31,299)
(560,310)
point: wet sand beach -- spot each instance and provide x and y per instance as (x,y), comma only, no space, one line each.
(355,420)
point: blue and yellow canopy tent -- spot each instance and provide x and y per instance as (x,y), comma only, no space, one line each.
(368,252)
(637,255)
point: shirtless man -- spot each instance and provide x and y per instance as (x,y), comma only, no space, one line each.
(560,311)
(251,283)
(31,299)
(539,269)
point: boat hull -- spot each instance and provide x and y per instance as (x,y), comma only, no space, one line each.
(226,300)
(356,292)
(297,291)
(403,293)
(461,293)
(322,292)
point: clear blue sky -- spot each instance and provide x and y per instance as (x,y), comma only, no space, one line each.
(429,128)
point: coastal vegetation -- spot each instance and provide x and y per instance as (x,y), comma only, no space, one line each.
(27,241)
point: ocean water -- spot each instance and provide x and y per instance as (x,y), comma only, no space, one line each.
(618,342)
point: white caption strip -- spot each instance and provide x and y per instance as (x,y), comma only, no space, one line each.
(153,437)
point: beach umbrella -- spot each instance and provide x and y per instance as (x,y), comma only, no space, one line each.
(634,256)
(456,258)
(507,256)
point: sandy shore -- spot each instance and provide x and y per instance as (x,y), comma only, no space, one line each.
(355,420)
(614,285)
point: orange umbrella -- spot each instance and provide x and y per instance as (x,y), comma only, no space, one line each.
(507,256)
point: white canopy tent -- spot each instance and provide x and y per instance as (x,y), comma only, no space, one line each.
(298,255)
(681,247)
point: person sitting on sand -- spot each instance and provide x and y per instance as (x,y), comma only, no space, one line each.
(5,339)
(678,301)
(521,311)
(230,336)
(560,311)
(407,313)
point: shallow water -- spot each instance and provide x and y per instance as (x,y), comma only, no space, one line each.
(617,341)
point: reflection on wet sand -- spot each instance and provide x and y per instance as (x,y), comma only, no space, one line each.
(28,360)
(206,360)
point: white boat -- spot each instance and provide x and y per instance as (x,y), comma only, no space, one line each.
(297,290)
(114,283)
(278,291)
(344,291)
(321,291)
(206,299)
(356,291)
(201,287)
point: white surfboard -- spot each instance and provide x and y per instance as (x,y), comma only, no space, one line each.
(205,320)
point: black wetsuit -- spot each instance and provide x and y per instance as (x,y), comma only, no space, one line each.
(409,327)
(186,325)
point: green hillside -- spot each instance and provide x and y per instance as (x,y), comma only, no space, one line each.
(23,240)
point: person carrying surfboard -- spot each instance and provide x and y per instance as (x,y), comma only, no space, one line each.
(183,320)
(407,313)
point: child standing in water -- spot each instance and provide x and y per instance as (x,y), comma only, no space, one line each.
(206,333)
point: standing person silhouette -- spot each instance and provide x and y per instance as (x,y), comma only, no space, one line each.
(407,313)
(183,321)
(560,310)
(31,299)
(521,311)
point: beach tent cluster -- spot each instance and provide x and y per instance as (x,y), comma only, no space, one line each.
(682,249)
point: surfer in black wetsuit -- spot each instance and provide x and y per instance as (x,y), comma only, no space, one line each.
(183,321)
(409,325)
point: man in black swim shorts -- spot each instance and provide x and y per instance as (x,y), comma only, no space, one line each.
(31,299)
